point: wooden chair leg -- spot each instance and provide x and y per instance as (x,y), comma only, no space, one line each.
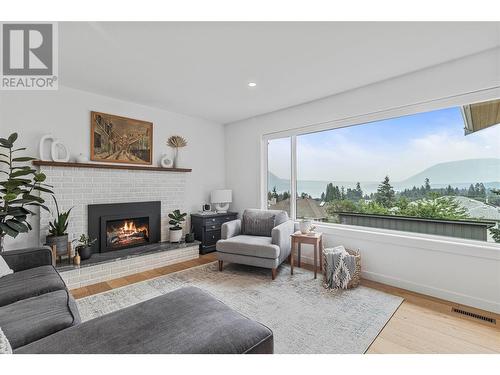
(54,254)
(273,273)
(220,265)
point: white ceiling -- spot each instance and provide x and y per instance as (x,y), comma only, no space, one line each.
(202,69)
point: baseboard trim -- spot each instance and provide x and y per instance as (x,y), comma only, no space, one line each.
(446,295)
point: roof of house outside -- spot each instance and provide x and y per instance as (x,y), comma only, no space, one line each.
(306,208)
(478,209)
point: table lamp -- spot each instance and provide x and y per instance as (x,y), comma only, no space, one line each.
(221,199)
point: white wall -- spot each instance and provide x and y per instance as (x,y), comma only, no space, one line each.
(66,114)
(421,266)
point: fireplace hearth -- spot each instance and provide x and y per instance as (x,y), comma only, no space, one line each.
(124,225)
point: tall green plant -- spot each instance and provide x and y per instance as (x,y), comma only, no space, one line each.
(60,224)
(18,184)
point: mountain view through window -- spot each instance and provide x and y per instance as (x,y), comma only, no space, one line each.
(417,173)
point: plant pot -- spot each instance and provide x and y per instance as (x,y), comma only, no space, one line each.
(61,243)
(85,252)
(175,235)
(189,238)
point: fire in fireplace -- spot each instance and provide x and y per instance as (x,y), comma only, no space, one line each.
(126,233)
(123,225)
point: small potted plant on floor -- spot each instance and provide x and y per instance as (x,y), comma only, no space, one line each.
(57,230)
(176,219)
(84,247)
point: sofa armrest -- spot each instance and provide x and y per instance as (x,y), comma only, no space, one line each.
(281,237)
(23,259)
(230,229)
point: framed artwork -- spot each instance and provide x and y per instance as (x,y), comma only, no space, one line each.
(116,139)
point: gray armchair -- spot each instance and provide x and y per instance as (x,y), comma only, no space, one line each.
(261,238)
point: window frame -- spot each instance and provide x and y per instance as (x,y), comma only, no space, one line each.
(360,120)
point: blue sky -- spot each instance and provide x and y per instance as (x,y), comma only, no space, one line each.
(400,147)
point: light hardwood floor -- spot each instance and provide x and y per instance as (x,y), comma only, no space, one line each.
(422,324)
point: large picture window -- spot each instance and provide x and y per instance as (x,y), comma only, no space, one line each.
(435,173)
(279,178)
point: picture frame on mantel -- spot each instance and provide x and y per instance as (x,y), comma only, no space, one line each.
(117,139)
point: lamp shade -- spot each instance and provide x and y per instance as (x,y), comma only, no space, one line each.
(221,196)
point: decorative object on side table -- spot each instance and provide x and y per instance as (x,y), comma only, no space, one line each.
(305,226)
(19,186)
(221,200)
(176,142)
(311,238)
(58,237)
(117,139)
(84,249)
(207,228)
(176,219)
(342,268)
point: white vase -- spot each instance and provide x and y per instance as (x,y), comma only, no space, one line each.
(82,159)
(175,235)
(176,158)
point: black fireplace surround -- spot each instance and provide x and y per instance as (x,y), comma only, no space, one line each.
(145,214)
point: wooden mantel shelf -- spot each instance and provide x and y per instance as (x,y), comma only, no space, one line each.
(107,166)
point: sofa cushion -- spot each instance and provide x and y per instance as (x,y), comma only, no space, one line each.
(34,318)
(186,320)
(29,283)
(261,222)
(254,246)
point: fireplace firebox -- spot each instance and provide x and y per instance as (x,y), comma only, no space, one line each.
(124,225)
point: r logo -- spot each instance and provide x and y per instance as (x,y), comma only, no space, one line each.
(27,49)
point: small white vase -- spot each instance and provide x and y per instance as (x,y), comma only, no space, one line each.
(82,159)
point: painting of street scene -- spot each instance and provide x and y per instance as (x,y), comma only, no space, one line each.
(118,139)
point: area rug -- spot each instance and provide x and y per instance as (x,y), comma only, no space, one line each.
(304,317)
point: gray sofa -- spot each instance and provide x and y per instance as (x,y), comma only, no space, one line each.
(261,238)
(39,315)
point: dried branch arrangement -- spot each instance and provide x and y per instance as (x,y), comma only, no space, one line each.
(176,141)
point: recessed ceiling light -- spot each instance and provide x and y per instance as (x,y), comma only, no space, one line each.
(252,84)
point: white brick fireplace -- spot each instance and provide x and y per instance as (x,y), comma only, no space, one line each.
(79,187)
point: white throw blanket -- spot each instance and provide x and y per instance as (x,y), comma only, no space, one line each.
(339,267)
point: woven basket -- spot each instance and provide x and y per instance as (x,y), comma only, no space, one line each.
(355,279)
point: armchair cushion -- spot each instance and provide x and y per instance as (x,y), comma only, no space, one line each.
(231,229)
(24,259)
(261,222)
(254,246)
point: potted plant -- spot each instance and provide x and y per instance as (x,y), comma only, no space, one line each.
(18,185)
(84,248)
(176,219)
(57,230)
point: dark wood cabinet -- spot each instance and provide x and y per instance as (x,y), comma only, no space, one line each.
(207,228)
